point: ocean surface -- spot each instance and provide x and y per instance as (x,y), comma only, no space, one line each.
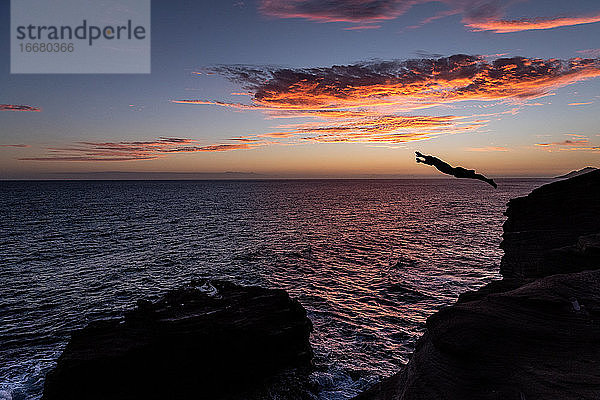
(369,259)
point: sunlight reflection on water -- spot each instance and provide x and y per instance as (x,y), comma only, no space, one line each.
(369,259)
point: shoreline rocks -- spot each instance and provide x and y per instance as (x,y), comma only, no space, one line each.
(534,334)
(548,223)
(212,340)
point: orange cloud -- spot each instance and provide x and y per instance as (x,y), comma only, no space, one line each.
(245,139)
(509,26)
(581,104)
(357,138)
(132,151)
(84,158)
(369,101)
(589,148)
(16,107)
(14,145)
(405,84)
(488,148)
(377,128)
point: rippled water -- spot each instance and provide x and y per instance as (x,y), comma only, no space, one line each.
(369,259)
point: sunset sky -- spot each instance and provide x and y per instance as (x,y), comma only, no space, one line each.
(312,88)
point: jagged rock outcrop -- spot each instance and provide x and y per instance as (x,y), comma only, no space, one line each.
(577,173)
(217,340)
(542,232)
(533,335)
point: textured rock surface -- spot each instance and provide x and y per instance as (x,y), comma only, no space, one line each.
(533,335)
(217,341)
(551,217)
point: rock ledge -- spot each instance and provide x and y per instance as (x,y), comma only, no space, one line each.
(211,340)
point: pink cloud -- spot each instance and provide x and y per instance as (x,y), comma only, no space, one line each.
(580,144)
(132,151)
(525,24)
(567,142)
(479,15)
(362,27)
(17,107)
(593,53)
(361,11)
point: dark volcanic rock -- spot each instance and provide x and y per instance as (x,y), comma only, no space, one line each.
(219,341)
(577,173)
(551,217)
(533,335)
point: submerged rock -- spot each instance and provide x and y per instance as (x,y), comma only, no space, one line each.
(216,340)
(533,335)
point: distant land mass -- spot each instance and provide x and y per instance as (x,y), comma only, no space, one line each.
(577,173)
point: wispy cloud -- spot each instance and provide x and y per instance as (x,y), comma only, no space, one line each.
(132,151)
(380,128)
(592,53)
(578,143)
(376,101)
(14,145)
(18,107)
(488,148)
(567,142)
(361,11)
(581,104)
(525,24)
(362,27)
(220,103)
(478,15)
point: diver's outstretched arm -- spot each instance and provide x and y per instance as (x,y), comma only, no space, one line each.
(429,160)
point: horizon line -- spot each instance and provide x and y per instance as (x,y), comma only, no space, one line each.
(274,178)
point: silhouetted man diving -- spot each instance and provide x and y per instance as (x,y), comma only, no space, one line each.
(446,168)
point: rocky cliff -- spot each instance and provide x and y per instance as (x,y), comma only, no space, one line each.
(212,340)
(545,232)
(534,334)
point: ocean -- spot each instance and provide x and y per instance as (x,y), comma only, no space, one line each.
(369,259)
